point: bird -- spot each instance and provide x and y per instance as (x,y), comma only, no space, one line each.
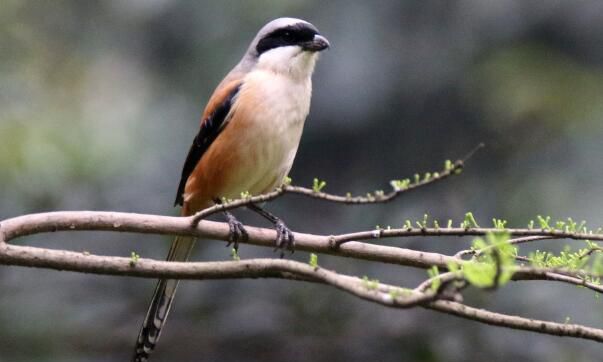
(247,140)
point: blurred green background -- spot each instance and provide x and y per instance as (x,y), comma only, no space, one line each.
(99,101)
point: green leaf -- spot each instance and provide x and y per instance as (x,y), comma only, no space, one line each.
(496,249)
(499,223)
(371,284)
(318,185)
(469,221)
(544,222)
(433,273)
(234,254)
(134,258)
(313,260)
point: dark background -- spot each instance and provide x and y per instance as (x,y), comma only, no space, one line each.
(99,102)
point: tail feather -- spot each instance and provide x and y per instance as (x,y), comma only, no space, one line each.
(161,302)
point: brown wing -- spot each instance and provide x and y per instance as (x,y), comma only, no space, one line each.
(212,123)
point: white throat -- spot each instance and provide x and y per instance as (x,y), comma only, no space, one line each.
(289,60)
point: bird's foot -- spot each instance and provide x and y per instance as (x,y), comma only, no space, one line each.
(284,238)
(237,231)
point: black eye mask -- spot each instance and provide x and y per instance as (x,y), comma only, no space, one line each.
(297,34)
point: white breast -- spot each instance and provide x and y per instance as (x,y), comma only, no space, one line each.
(280,106)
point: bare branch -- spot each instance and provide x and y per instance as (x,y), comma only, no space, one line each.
(167,225)
(388,295)
(516,322)
(250,268)
(326,244)
(274,268)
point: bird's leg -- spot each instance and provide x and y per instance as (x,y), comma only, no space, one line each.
(284,235)
(237,229)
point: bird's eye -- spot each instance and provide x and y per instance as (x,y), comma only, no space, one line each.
(287,35)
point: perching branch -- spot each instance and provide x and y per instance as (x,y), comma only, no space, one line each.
(167,225)
(340,245)
(373,291)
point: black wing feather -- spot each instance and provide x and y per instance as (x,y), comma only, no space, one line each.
(209,130)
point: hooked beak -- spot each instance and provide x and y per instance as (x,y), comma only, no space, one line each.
(319,43)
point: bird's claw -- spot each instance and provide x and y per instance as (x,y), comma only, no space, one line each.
(237,232)
(284,238)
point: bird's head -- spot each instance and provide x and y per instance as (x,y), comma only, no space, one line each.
(288,46)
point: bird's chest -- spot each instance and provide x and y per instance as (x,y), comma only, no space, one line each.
(282,102)
(275,108)
(280,106)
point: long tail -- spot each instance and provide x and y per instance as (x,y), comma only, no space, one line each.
(161,302)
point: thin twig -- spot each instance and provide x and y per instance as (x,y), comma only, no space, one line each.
(516,322)
(514,241)
(444,277)
(522,274)
(455,168)
(557,274)
(591,251)
(235,204)
(461,231)
(374,198)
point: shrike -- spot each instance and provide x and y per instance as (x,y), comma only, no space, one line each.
(248,138)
